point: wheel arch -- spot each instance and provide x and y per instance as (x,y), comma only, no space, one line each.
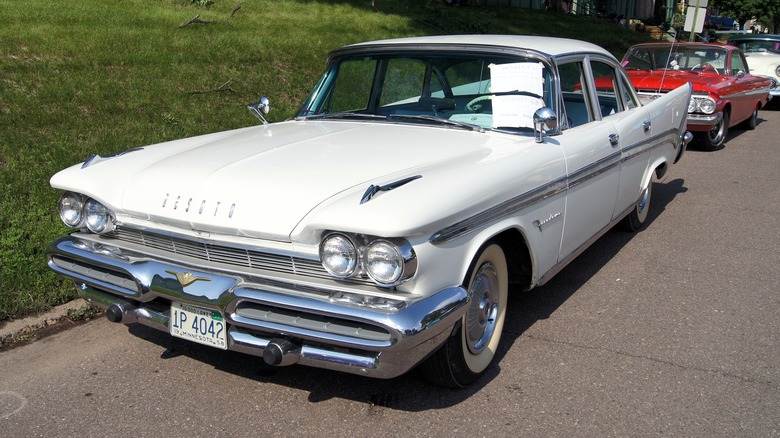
(518,256)
(727,109)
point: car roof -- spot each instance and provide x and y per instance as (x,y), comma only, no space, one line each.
(551,46)
(685,44)
(756,37)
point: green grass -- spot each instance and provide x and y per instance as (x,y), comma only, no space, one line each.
(93,76)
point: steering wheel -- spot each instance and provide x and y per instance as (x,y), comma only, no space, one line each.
(704,66)
(470,105)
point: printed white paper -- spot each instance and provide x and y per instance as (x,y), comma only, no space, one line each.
(518,76)
(515,111)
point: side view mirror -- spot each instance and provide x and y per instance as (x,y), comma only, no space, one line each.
(260,109)
(545,120)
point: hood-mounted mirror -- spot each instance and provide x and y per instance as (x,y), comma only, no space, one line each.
(260,109)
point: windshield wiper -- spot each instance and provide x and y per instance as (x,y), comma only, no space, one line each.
(438,120)
(343,116)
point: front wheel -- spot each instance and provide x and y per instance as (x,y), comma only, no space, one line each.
(466,354)
(713,139)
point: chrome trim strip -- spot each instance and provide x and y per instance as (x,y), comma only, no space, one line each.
(506,208)
(546,191)
(594,169)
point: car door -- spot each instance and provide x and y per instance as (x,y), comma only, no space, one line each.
(620,107)
(739,93)
(592,159)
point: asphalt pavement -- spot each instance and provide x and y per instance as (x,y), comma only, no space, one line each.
(671,331)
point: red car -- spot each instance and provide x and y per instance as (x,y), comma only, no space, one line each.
(724,93)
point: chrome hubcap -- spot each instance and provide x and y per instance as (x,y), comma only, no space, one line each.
(483,309)
(717,132)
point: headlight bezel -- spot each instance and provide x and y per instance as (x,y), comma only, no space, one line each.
(403,257)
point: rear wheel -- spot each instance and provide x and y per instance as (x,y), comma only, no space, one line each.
(751,123)
(713,139)
(638,216)
(466,354)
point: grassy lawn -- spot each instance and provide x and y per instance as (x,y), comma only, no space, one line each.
(92,76)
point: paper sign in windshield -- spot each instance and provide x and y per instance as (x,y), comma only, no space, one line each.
(515,111)
(518,76)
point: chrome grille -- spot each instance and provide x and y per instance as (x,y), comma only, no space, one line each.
(228,255)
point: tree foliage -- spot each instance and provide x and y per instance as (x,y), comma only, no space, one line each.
(766,12)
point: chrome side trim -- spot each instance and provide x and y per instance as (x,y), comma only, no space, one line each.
(531,197)
(492,214)
(594,169)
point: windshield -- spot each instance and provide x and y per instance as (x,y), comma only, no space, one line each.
(451,89)
(758,46)
(697,58)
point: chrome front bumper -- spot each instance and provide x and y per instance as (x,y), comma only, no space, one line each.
(704,120)
(283,322)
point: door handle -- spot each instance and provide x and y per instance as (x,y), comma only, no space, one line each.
(646,125)
(614,139)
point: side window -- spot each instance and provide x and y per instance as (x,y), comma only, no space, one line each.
(737,64)
(606,88)
(630,100)
(576,105)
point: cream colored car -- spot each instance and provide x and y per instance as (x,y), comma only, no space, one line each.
(380,228)
(763,56)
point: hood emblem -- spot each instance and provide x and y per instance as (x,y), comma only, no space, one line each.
(187,278)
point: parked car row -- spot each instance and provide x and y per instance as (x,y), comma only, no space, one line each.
(725,92)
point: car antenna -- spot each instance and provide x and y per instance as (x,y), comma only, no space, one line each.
(663,76)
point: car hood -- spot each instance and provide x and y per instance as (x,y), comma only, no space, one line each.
(262,181)
(670,79)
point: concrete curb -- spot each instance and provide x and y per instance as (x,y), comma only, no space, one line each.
(12,330)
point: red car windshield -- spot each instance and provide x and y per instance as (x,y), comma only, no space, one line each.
(676,57)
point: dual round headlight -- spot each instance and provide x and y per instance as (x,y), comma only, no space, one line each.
(703,104)
(71,209)
(339,256)
(385,262)
(77,211)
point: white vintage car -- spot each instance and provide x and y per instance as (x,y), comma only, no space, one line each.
(381,227)
(763,56)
